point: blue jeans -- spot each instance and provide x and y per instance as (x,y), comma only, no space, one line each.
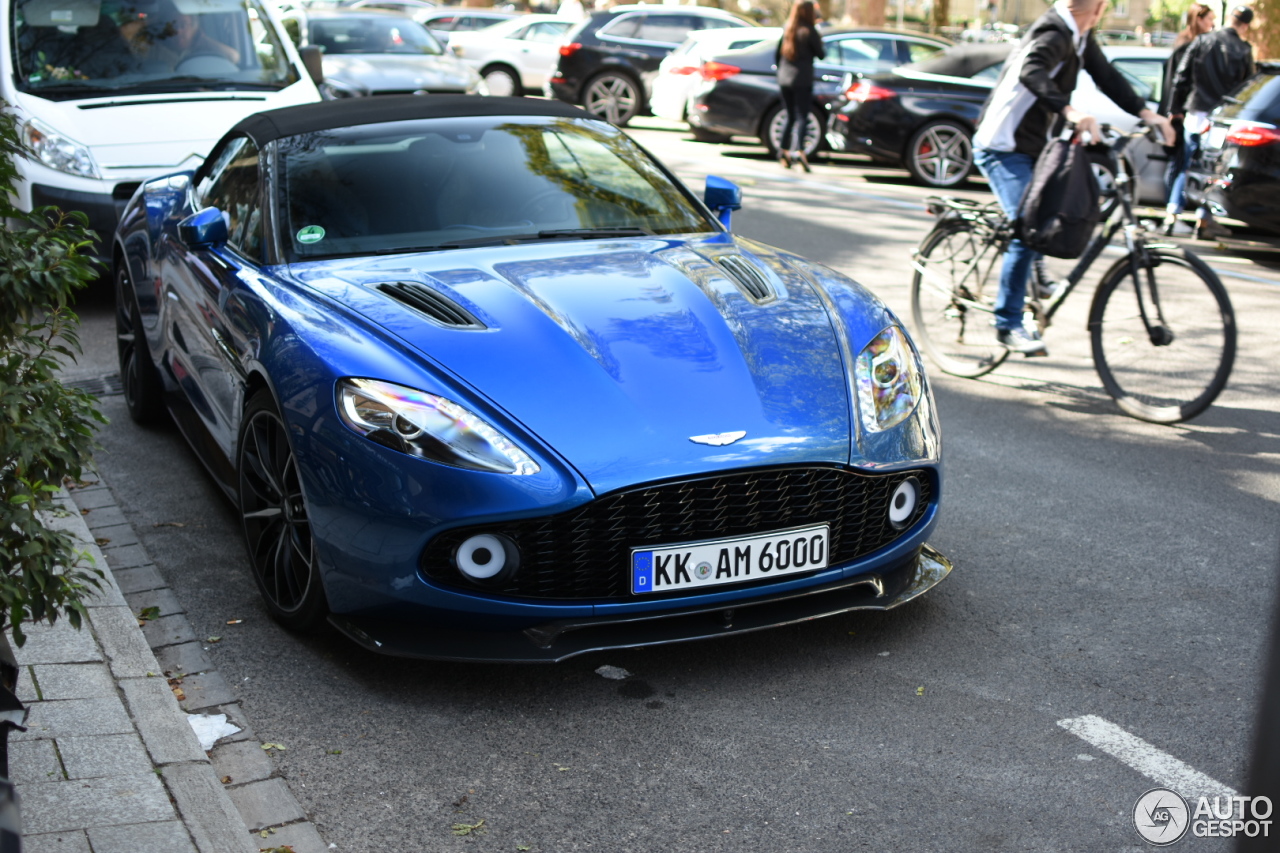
(1009,173)
(1177,170)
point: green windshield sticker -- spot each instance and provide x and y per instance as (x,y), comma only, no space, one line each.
(311,234)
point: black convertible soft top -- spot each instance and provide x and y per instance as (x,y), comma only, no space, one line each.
(266,126)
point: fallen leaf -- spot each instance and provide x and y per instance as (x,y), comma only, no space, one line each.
(102,540)
(919,691)
(85,511)
(333,752)
(149,613)
(214,640)
(169,524)
(470,828)
(180,694)
(523,847)
(288,848)
(277,746)
(234,621)
(226,780)
(460,802)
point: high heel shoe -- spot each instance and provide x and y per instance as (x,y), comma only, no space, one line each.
(784,157)
(804,161)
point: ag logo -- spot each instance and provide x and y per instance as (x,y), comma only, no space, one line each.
(1161,817)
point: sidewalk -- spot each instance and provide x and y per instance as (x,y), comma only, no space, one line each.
(109,762)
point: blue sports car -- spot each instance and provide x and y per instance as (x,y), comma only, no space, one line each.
(486,382)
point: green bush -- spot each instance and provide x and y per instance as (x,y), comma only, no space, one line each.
(46,429)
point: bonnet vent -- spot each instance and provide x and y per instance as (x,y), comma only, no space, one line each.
(748,277)
(434,304)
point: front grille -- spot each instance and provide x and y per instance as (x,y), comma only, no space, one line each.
(585,553)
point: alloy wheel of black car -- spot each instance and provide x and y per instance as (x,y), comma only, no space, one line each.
(773,132)
(613,96)
(143,389)
(940,154)
(502,81)
(274,515)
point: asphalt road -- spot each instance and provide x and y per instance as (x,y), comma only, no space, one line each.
(1104,567)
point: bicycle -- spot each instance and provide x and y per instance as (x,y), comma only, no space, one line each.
(1163,349)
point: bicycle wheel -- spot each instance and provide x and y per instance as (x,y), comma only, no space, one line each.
(1177,369)
(953,292)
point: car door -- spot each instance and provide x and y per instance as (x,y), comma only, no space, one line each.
(204,289)
(537,50)
(645,38)
(852,53)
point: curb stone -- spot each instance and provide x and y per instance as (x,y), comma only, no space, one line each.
(109,762)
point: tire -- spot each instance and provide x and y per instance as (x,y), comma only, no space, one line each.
(1179,376)
(502,81)
(143,387)
(614,96)
(940,154)
(955,325)
(273,514)
(703,135)
(772,132)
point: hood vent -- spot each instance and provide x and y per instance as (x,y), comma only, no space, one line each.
(434,304)
(748,277)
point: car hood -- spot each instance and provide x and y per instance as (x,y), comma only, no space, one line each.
(618,353)
(181,127)
(390,72)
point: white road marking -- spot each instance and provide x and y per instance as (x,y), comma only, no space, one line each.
(1156,765)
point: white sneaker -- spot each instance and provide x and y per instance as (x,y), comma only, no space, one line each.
(1023,341)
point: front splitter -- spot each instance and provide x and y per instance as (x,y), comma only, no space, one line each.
(552,642)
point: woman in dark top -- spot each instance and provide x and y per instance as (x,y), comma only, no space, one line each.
(799,47)
(1200,19)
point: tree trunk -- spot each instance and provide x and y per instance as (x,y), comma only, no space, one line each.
(871,13)
(941,15)
(1265,34)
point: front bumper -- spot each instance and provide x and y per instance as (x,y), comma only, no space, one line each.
(553,642)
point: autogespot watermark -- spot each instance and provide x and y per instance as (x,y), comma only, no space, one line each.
(1163,817)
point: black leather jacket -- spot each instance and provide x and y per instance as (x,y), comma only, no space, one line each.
(1213,65)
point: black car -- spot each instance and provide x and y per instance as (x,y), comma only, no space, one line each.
(741,98)
(1238,174)
(921,115)
(608,62)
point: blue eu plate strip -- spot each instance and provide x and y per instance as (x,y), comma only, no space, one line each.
(641,572)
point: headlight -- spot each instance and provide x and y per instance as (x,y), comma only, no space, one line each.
(57,151)
(888,378)
(425,425)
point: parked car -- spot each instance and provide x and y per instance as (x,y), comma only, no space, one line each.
(608,61)
(106,97)
(483,380)
(1238,174)
(381,53)
(446,21)
(408,8)
(739,95)
(513,56)
(679,74)
(922,115)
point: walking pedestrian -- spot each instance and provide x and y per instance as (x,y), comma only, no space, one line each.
(800,46)
(1213,65)
(1030,102)
(1200,20)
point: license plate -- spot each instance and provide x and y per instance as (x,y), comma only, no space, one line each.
(717,562)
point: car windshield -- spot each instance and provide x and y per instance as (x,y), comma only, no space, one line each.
(447,183)
(68,49)
(370,34)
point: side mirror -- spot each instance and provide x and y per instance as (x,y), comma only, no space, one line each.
(204,229)
(313,59)
(723,197)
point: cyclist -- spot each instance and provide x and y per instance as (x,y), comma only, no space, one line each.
(1030,102)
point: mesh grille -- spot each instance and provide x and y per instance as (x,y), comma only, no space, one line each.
(586,552)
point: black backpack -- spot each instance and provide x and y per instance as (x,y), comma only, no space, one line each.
(1060,209)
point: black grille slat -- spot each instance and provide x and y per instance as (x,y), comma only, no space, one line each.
(585,553)
(434,304)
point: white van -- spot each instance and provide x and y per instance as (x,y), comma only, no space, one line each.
(111,92)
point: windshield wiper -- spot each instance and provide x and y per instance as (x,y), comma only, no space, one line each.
(208,83)
(71,89)
(513,239)
(592,233)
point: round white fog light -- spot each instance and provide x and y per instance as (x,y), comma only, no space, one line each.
(902,505)
(482,557)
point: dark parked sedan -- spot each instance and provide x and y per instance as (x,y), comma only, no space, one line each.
(741,96)
(921,115)
(608,62)
(1239,171)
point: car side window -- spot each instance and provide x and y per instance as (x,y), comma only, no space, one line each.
(918,50)
(547,32)
(232,187)
(667,29)
(863,54)
(1148,73)
(710,23)
(991,72)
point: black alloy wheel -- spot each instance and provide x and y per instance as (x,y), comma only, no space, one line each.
(273,510)
(143,388)
(613,96)
(940,154)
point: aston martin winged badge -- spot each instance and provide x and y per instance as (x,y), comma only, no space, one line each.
(718,439)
